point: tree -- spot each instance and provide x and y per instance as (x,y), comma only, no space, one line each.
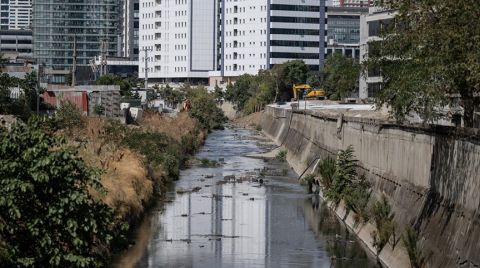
(219,94)
(204,108)
(431,54)
(171,96)
(288,74)
(241,91)
(48,217)
(126,85)
(341,76)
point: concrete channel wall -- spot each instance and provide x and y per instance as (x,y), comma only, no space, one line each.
(431,177)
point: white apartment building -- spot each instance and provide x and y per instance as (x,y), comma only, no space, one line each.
(258,34)
(189,40)
(15,14)
(177,39)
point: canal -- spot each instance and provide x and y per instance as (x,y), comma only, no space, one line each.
(244,212)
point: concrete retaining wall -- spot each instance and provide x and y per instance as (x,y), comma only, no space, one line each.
(430,176)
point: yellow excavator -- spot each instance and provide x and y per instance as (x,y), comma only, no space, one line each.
(310,93)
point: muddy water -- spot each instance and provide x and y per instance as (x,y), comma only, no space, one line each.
(240,222)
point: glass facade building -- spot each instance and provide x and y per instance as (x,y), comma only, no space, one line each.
(57,23)
(344,29)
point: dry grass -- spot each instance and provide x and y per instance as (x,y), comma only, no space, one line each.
(174,127)
(129,182)
(251,120)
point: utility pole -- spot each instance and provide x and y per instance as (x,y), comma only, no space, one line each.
(39,75)
(103,61)
(74,68)
(146,50)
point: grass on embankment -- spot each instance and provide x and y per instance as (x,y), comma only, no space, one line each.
(138,160)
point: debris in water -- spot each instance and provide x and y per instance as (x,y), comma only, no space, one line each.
(196,189)
(209,176)
(182,191)
(229,178)
(252,199)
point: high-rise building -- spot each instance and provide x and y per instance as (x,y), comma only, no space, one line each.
(130,29)
(92,26)
(258,34)
(15,14)
(177,39)
(197,39)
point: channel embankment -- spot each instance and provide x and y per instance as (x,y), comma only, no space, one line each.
(430,176)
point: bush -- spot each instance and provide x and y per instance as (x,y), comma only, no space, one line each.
(282,155)
(47,216)
(410,239)
(356,198)
(383,219)
(327,170)
(345,174)
(69,117)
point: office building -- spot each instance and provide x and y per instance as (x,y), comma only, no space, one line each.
(92,26)
(343,31)
(372,25)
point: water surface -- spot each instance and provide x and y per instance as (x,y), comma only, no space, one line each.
(242,222)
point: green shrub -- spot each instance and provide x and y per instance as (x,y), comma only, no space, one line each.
(356,198)
(69,117)
(345,174)
(327,170)
(282,155)
(383,220)
(410,239)
(47,216)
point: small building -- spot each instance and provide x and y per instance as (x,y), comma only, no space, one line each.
(87,98)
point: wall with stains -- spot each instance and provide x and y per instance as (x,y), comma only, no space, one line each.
(431,177)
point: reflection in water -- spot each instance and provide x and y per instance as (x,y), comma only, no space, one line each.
(243,223)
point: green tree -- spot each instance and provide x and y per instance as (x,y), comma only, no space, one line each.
(432,53)
(126,85)
(288,74)
(219,94)
(341,76)
(48,217)
(204,108)
(172,96)
(241,91)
